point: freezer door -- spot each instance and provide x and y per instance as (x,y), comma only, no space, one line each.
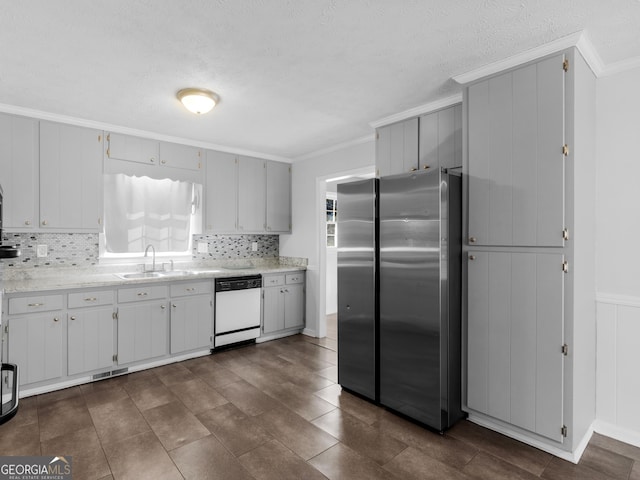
(410,295)
(357,314)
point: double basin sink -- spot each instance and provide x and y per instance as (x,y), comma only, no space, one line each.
(173,273)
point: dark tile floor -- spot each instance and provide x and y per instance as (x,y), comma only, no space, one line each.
(271,411)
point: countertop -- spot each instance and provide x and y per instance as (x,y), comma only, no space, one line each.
(21,280)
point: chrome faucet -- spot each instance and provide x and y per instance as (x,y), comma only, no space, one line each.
(146,252)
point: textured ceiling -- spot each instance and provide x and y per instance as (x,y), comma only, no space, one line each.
(294,76)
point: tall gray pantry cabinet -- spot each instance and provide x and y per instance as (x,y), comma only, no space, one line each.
(529,166)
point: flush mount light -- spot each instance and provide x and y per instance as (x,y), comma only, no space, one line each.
(197,100)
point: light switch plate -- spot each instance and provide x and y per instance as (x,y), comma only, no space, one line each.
(42,251)
(203,247)
(254,246)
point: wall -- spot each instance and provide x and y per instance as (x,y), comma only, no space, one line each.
(304,241)
(81,249)
(617,262)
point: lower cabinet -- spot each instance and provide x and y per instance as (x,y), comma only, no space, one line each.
(90,339)
(515,363)
(283,302)
(37,346)
(191,316)
(142,323)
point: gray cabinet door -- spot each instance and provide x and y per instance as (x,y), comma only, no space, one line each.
(516,161)
(278,197)
(19,167)
(191,323)
(180,156)
(35,344)
(90,340)
(70,177)
(397,148)
(221,192)
(251,194)
(142,331)
(293,306)
(132,149)
(273,309)
(515,333)
(441,139)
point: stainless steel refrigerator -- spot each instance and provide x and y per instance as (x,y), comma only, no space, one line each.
(412,330)
(357,287)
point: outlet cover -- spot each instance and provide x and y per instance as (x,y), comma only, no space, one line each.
(42,251)
(203,247)
(254,246)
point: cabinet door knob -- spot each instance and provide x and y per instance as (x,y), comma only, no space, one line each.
(163,307)
(472,257)
(414,169)
(56,319)
(152,160)
(72,318)
(173,305)
(425,167)
(472,239)
(27,222)
(44,222)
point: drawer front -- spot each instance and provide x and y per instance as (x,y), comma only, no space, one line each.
(272,280)
(293,278)
(40,303)
(190,288)
(145,292)
(90,299)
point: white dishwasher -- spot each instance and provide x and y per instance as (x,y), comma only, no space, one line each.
(237,313)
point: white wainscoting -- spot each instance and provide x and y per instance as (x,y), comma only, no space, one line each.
(618,367)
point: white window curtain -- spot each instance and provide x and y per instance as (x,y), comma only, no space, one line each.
(140,211)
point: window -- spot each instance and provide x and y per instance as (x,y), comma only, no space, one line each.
(141,211)
(332,218)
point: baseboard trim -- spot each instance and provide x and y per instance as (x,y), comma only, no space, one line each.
(616,432)
(571,456)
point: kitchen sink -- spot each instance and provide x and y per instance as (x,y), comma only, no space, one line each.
(138,275)
(176,273)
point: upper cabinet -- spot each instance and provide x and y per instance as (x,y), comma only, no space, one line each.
(221,192)
(19,167)
(433,140)
(132,149)
(71,177)
(251,194)
(153,152)
(180,156)
(440,139)
(246,195)
(278,197)
(517,157)
(397,148)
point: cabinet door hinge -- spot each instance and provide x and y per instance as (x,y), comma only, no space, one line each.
(108,137)
(6,327)
(377,135)
(565,234)
(565,349)
(115,357)
(108,153)
(115,315)
(565,65)
(565,266)
(99,138)
(565,150)
(563,431)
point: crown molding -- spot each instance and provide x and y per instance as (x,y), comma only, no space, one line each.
(621,66)
(524,57)
(419,110)
(590,54)
(334,148)
(82,122)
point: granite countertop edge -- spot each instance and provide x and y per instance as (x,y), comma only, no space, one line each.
(68,278)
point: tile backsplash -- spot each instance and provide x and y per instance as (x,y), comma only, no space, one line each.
(81,249)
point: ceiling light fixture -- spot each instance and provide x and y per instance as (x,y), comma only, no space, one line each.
(197,100)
